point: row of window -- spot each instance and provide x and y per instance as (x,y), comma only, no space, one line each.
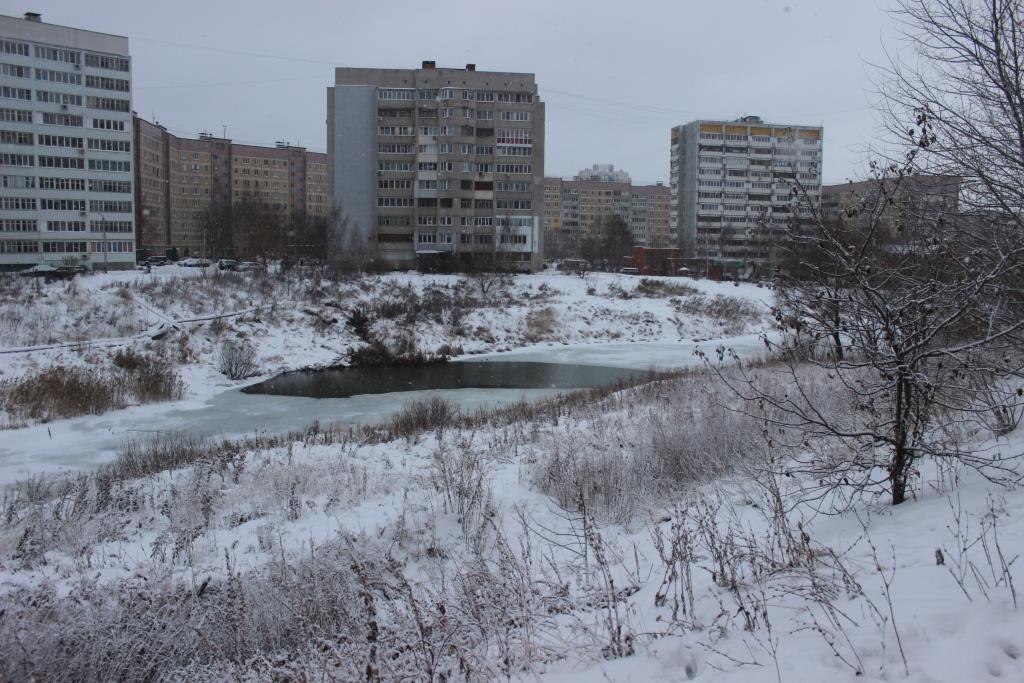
(9,203)
(450,94)
(95,61)
(32,225)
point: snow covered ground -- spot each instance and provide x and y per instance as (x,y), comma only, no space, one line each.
(613,325)
(634,538)
(708,582)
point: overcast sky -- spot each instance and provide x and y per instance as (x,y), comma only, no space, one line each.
(616,76)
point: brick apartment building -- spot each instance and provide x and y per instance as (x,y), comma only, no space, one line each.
(178,180)
(574,209)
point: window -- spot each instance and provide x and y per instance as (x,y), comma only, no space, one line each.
(106,62)
(54,97)
(484,150)
(113,247)
(396,94)
(61,162)
(18,225)
(17,160)
(513,186)
(110,145)
(58,76)
(60,141)
(74,184)
(15,71)
(108,165)
(485,115)
(107,103)
(58,55)
(515,97)
(105,83)
(65,226)
(514,168)
(10,93)
(394,166)
(394,149)
(394,202)
(110,124)
(70,120)
(484,239)
(514,204)
(62,204)
(394,184)
(118,186)
(18,182)
(15,137)
(109,206)
(16,115)
(10,47)
(514,136)
(18,247)
(18,203)
(515,116)
(392,220)
(111,226)
(513,239)
(514,151)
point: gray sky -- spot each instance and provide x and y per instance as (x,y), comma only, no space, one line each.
(615,76)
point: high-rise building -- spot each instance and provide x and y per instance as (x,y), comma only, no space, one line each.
(439,161)
(731,187)
(65,146)
(181,179)
(575,210)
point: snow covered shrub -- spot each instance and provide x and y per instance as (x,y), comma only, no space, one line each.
(238,360)
(540,324)
(422,415)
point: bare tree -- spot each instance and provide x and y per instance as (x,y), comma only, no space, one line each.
(904,331)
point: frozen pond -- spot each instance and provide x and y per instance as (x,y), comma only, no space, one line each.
(89,440)
(474,374)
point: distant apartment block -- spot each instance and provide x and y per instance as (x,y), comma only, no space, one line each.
(575,209)
(180,179)
(910,202)
(436,161)
(731,184)
(65,146)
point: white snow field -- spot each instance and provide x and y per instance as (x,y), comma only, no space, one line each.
(647,535)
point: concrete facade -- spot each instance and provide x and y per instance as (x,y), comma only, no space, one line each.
(573,209)
(66,147)
(451,161)
(181,179)
(730,188)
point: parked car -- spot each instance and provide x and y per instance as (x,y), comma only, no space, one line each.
(154,261)
(41,270)
(629,270)
(227,264)
(194,262)
(247,266)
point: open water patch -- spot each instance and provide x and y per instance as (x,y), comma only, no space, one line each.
(346,382)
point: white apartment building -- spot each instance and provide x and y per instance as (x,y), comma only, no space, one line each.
(66,181)
(732,189)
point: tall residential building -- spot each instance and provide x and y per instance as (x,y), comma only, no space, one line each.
(604,173)
(180,180)
(439,161)
(575,209)
(65,146)
(731,184)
